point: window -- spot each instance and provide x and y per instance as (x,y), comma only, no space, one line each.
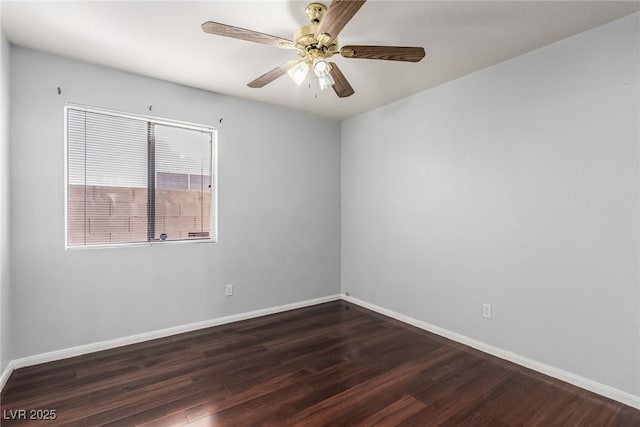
(134,179)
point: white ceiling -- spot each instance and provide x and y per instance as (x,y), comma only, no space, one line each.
(164,40)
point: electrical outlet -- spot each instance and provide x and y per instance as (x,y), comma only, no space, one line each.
(229,290)
(486,311)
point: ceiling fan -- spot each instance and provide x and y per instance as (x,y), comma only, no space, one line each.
(315,43)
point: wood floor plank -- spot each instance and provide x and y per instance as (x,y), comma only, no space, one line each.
(394,414)
(251,392)
(627,416)
(330,364)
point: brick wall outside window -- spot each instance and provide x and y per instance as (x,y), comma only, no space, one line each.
(102,214)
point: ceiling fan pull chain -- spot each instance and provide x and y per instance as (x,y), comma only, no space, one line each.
(315,87)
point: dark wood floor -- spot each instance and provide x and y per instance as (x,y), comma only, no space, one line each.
(332,364)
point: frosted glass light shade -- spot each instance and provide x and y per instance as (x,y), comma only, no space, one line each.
(298,72)
(321,68)
(325,82)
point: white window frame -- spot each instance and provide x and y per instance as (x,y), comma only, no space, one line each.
(213,235)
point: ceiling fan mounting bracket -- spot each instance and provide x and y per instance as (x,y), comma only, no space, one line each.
(315,12)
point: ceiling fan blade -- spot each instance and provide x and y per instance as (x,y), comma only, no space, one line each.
(270,76)
(341,86)
(241,33)
(389,53)
(339,13)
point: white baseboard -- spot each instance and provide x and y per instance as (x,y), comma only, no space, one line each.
(6,374)
(577,380)
(161,333)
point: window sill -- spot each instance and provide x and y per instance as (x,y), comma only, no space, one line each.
(141,244)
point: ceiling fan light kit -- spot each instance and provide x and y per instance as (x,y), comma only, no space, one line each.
(298,72)
(315,43)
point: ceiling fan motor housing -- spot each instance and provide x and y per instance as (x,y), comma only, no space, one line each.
(305,37)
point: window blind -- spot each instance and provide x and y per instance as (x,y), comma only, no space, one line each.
(135,180)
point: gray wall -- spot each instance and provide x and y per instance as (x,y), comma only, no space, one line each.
(516,186)
(279,239)
(5,315)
